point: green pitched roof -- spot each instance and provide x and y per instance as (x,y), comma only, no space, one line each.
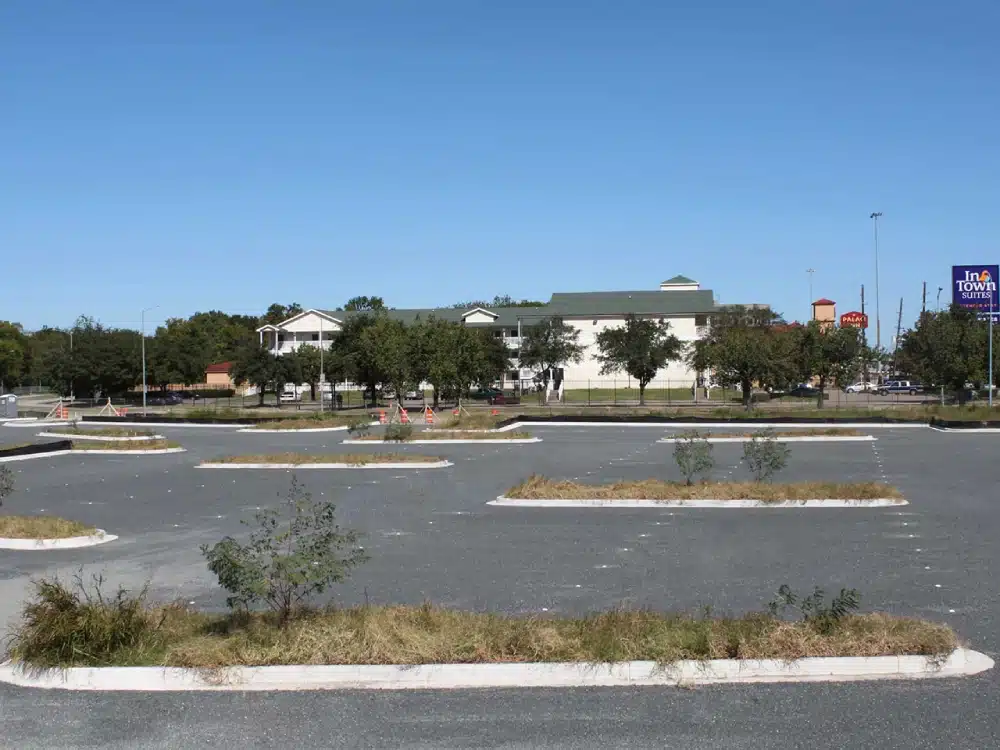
(577,304)
(679,280)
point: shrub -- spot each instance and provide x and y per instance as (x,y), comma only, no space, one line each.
(6,483)
(764,455)
(80,624)
(295,552)
(359,427)
(397,433)
(693,454)
(814,610)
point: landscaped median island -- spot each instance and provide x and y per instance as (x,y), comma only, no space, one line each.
(42,532)
(405,434)
(318,423)
(326,461)
(110,434)
(127,447)
(541,491)
(831,434)
(297,551)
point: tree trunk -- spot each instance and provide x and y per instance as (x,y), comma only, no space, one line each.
(436,396)
(312,390)
(747,387)
(822,393)
(260,393)
(642,393)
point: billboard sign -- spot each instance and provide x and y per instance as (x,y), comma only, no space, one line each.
(975,287)
(854,320)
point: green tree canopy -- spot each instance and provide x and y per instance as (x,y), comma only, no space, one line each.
(257,365)
(550,344)
(641,348)
(948,348)
(365,304)
(830,355)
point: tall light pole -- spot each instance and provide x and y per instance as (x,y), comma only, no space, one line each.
(878,320)
(810,271)
(322,384)
(142,326)
(938,305)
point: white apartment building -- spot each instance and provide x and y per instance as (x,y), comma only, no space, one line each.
(679,301)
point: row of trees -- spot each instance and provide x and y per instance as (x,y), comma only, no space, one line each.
(745,347)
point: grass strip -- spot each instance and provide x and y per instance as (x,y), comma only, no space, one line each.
(453,435)
(537,487)
(830,432)
(304,423)
(139,445)
(470,421)
(109,432)
(13,446)
(354,459)
(60,630)
(42,527)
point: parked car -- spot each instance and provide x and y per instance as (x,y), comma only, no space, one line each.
(900,386)
(485,394)
(803,390)
(289,396)
(413,394)
(504,399)
(861,387)
(163,399)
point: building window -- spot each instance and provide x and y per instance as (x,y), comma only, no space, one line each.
(315,337)
(701,320)
(513,375)
(498,333)
(281,338)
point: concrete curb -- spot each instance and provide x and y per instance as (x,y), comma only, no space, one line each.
(119,452)
(306,429)
(70,542)
(510,502)
(100,438)
(963,430)
(778,438)
(733,424)
(228,425)
(393,465)
(38,423)
(5,459)
(961,662)
(472,441)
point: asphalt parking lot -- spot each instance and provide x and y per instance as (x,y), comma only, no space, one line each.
(431,536)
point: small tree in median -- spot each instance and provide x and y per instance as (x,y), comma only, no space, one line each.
(693,454)
(641,348)
(765,456)
(296,552)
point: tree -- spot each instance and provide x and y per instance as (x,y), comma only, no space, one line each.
(296,552)
(358,366)
(257,365)
(12,353)
(948,348)
(303,366)
(365,304)
(641,348)
(434,348)
(550,344)
(385,346)
(830,355)
(742,348)
(480,357)
(277,313)
(504,300)
(177,353)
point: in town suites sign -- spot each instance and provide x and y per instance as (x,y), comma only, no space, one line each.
(854,320)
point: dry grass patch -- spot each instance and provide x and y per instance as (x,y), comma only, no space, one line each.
(120,432)
(452,435)
(538,487)
(778,434)
(13,446)
(42,527)
(471,421)
(304,423)
(354,459)
(139,445)
(54,632)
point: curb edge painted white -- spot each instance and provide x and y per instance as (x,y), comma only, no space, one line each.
(469,441)
(881,502)
(305,429)
(229,425)
(39,423)
(99,438)
(733,424)
(961,430)
(392,465)
(780,439)
(5,459)
(961,662)
(70,542)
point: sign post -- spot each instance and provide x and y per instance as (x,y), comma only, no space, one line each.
(975,288)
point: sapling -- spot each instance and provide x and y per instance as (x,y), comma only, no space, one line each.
(693,454)
(764,455)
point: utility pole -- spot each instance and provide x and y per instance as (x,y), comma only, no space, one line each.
(937,306)
(142,326)
(899,328)
(923,301)
(321,377)
(810,271)
(878,318)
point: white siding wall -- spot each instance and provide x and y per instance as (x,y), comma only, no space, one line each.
(589,369)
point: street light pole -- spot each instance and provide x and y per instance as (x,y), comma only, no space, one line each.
(322,378)
(810,271)
(878,319)
(938,305)
(142,326)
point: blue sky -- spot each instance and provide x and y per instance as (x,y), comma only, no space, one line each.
(229,154)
